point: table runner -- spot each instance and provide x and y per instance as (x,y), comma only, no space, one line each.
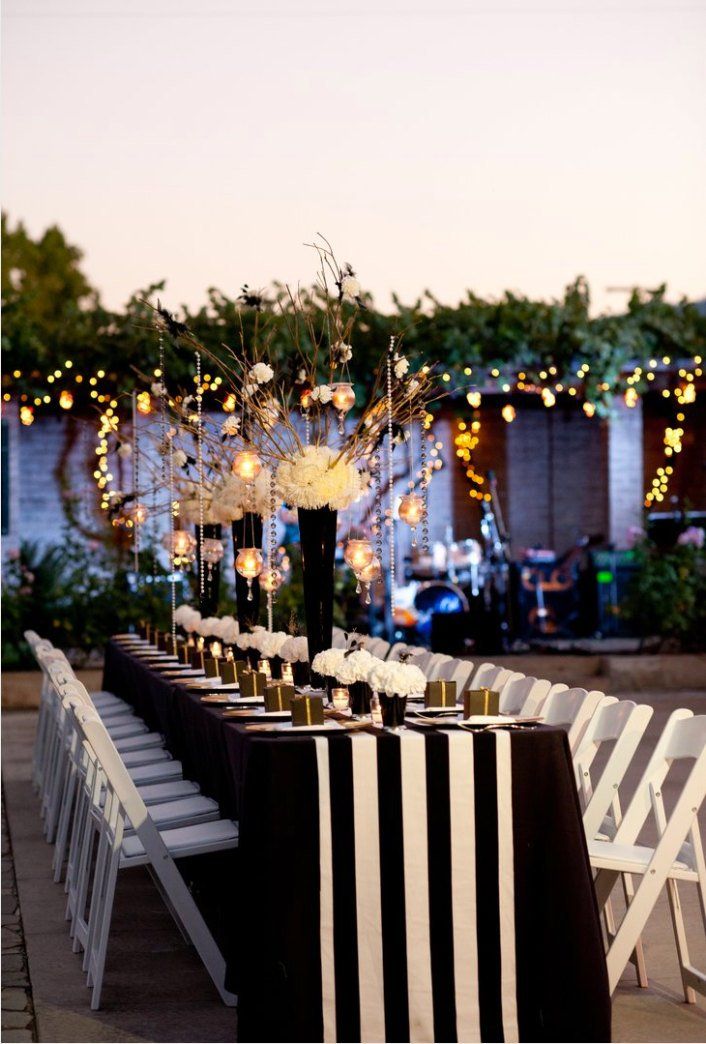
(466,913)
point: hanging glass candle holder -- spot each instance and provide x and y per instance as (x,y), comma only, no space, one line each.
(368,575)
(411,511)
(212,552)
(181,546)
(137,513)
(358,554)
(271,579)
(249,565)
(246,465)
(343,400)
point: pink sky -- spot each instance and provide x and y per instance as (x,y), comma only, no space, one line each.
(484,145)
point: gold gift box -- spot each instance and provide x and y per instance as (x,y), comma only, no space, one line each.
(211,666)
(183,651)
(252,683)
(480,701)
(229,671)
(440,694)
(278,696)
(170,645)
(196,658)
(307,710)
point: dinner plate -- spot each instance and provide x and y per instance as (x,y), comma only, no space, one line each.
(287,726)
(204,683)
(185,672)
(434,712)
(497,719)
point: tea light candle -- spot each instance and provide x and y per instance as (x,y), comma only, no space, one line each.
(340,699)
(264,667)
(200,644)
(375,710)
(287,673)
(216,650)
(229,654)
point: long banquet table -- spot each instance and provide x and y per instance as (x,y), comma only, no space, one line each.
(410,886)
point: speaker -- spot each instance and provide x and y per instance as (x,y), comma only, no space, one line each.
(612,572)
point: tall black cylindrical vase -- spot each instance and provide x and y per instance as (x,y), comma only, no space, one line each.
(247,532)
(317,535)
(208,601)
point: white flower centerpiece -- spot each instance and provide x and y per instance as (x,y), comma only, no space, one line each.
(291,413)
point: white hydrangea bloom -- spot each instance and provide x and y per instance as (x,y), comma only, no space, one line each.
(401,367)
(350,288)
(295,649)
(179,458)
(230,426)
(319,477)
(328,662)
(261,373)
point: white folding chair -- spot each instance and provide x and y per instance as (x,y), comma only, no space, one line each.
(419,657)
(338,640)
(377,647)
(677,856)
(573,709)
(436,665)
(149,847)
(461,674)
(623,725)
(522,692)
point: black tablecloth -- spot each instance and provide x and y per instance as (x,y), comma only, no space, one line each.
(270,783)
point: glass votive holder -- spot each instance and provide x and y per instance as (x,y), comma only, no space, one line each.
(216,650)
(287,673)
(263,667)
(200,644)
(375,710)
(340,699)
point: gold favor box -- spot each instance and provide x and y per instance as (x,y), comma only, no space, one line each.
(480,701)
(211,666)
(440,694)
(307,710)
(278,696)
(252,683)
(183,653)
(229,671)
(197,659)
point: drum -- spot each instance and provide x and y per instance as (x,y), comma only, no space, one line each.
(436,596)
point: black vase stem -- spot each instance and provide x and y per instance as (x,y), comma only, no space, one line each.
(247,532)
(208,601)
(317,534)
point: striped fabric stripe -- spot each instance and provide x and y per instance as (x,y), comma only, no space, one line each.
(418,977)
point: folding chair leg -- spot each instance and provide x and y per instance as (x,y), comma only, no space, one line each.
(68,801)
(638,956)
(680,939)
(101,931)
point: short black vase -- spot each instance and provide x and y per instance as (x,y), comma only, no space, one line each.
(393,710)
(360,693)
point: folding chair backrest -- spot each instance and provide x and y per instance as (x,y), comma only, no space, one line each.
(449,669)
(420,658)
(378,647)
(573,709)
(462,675)
(517,692)
(435,665)
(339,640)
(481,673)
(622,723)
(395,650)
(640,806)
(32,639)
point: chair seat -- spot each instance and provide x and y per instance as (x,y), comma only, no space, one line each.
(191,809)
(171,790)
(217,836)
(131,726)
(142,741)
(631,859)
(157,772)
(144,757)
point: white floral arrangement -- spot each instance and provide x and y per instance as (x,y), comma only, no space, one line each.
(319,477)
(328,662)
(208,627)
(271,642)
(230,629)
(396,679)
(227,500)
(187,618)
(295,649)
(356,667)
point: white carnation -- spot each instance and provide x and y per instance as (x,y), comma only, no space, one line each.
(328,662)
(179,458)
(229,630)
(124,450)
(350,287)
(187,617)
(272,642)
(356,667)
(343,352)
(401,367)
(230,426)
(295,649)
(244,641)
(311,479)
(396,679)
(322,393)
(261,373)
(208,626)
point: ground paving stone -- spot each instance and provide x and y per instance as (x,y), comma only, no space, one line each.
(17,1015)
(16,1019)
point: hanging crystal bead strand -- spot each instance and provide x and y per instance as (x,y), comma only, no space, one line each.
(390,477)
(271,550)
(135,484)
(199,465)
(424,483)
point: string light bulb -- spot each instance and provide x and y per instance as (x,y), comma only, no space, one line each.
(248,564)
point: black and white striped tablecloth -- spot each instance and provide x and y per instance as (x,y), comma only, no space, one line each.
(417,886)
